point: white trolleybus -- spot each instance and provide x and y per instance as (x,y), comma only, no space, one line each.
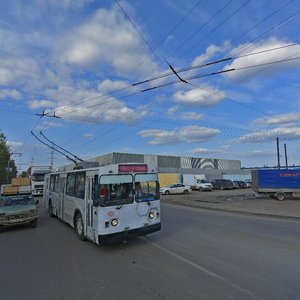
(106,204)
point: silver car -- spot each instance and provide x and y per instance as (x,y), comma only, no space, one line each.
(177,188)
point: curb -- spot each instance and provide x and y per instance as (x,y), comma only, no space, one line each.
(241,212)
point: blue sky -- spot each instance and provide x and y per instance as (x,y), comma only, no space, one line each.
(78,60)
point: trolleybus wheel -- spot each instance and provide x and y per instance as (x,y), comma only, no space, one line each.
(50,209)
(79,227)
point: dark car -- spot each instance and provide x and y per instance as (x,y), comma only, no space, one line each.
(235,184)
(242,184)
(222,184)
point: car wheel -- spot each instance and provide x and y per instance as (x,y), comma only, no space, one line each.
(200,189)
(79,227)
(167,192)
(33,224)
(185,192)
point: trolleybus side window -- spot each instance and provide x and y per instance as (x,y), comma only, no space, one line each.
(52,180)
(70,191)
(80,185)
(148,187)
(116,189)
(56,183)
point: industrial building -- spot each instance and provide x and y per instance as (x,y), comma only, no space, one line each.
(172,168)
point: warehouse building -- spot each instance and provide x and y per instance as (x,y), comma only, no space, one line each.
(172,168)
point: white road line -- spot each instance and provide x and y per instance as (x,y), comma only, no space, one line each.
(204,270)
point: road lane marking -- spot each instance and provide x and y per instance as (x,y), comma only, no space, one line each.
(204,270)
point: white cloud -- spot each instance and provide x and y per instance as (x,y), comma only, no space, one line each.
(107,39)
(13,144)
(46,125)
(210,51)
(188,134)
(69,3)
(17,70)
(108,85)
(204,96)
(223,150)
(89,135)
(12,94)
(173,110)
(258,153)
(41,104)
(262,58)
(285,133)
(192,116)
(279,119)
(113,112)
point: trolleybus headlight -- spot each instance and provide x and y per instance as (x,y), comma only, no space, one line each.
(114,222)
(151,215)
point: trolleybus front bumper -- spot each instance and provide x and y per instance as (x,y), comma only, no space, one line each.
(125,235)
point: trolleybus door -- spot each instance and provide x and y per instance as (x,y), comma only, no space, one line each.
(62,197)
(89,210)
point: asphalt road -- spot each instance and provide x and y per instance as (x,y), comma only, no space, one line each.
(198,254)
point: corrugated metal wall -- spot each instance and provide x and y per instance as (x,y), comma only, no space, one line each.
(151,159)
(127,158)
(105,160)
(225,164)
(168,178)
(168,161)
(198,163)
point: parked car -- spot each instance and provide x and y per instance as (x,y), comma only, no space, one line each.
(242,184)
(177,188)
(248,183)
(204,185)
(235,184)
(222,184)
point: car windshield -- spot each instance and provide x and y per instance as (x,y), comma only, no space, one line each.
(204,181)
(38,177)
(16,200)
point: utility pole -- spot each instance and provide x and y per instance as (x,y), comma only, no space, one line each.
(286,158)
(278,154)
(52,157)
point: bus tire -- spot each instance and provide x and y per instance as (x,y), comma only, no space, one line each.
(79,227)
(50,209)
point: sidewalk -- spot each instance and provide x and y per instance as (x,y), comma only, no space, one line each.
(242,201)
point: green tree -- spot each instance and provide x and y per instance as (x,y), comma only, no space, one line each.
(5,162)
